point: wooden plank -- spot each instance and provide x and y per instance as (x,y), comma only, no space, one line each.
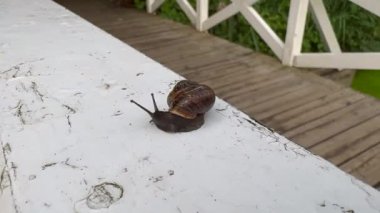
(227,84)
(244,55)
(232,80)
(293,113)
(225,76)
(250,83)
(366,166)
(147,46)
(146,23)
(288,101)
(207,80)
(135,22)
(285,106)
(306,120)
(159,42)
(267,93)
(324,119)
(351,142)
(332,124)
(103,19)
(148,39)
(188,64)
(235,67)
(177,52)
(188,54)
(362,158)
(203,59)
(181,47)
(210,73)
(262,93)
(142,29)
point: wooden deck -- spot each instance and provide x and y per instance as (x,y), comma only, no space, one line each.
(329,119)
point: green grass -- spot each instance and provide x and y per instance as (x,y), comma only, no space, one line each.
(367,81)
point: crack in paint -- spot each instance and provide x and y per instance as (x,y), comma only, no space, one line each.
(48,165)
(36,91)
(254,124)
(17,68)
(68,122)
(47,114)
(343,209)
(19,112)
(69,108)
(64,163)
(5,152)
(4,180)
(7,148)
(14,168)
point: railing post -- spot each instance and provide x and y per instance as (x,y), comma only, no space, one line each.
(261,27)
(372,6)
(202,14)
(149,6)
(295,30)
(324,26)
(152,5)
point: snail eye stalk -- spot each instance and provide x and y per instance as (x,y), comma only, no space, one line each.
(143,108)
(154,102)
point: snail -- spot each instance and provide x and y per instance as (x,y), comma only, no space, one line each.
(188,102)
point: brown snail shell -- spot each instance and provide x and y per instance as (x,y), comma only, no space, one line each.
(188,99)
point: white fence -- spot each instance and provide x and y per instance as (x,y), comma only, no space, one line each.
(289,52)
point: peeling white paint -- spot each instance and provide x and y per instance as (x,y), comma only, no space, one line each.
(67,126)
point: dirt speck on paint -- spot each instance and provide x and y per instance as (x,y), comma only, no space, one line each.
(156,179)
(107,86)
(171,172)
(48,165)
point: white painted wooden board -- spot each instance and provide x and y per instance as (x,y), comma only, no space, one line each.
(73,142)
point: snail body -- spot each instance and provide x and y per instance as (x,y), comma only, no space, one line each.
(188,102)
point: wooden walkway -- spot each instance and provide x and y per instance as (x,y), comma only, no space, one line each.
(330,120)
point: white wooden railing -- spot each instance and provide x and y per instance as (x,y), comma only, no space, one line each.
(288,51)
